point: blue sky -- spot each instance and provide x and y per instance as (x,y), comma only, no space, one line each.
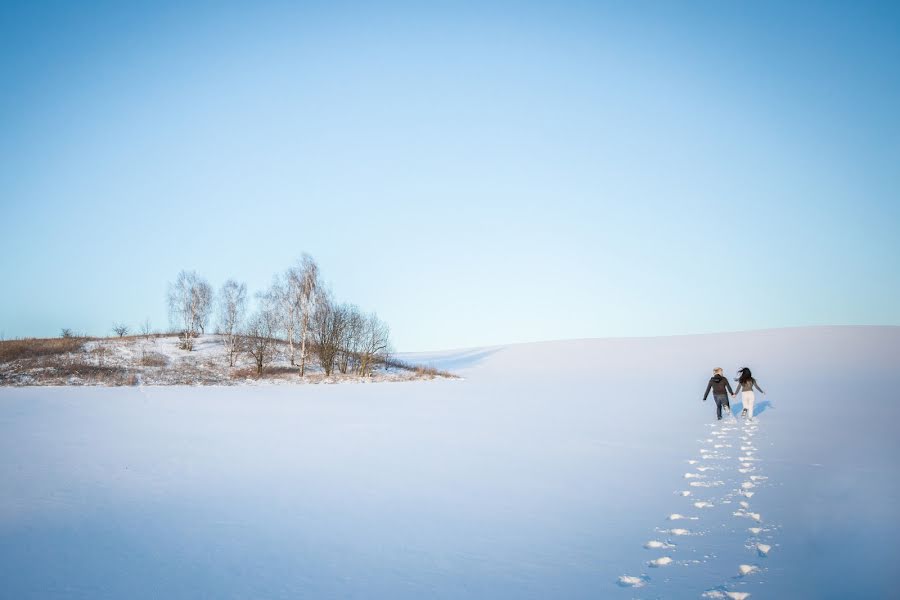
(476,173)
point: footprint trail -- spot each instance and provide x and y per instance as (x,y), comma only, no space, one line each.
(713,520)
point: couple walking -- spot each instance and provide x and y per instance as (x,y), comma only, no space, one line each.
(720,387)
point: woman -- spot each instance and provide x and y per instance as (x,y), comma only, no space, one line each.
(745,385)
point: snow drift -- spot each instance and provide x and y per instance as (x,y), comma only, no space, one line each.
(541,474)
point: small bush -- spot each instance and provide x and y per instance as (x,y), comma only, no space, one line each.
(154,359)
(244,373)
(186,340)
(93,373)
(37,348)
(420,370)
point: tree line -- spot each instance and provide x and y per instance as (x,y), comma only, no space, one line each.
(297,310)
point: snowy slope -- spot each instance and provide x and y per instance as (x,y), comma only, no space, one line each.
(159,360)
(543,474)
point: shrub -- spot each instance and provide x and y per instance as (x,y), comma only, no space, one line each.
(36,348)
(154,359)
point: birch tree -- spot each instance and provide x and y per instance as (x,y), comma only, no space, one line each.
(277,298)
(232,308)
(309,286)
(190,302)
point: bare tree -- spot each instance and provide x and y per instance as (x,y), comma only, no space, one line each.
(232,308)
(309,286)
(376,344)
(259,337)
(285,297)
(66,333)
(190,302)
(146,328)
(351,339)
(327,325)
(204,301)
(120,329)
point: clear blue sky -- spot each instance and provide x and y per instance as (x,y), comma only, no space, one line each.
(477,173)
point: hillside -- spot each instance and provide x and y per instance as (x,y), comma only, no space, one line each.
(570,469)
(158,360)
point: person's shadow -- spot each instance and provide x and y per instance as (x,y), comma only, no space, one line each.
(758,408)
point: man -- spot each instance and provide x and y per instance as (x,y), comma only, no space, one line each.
(720,387)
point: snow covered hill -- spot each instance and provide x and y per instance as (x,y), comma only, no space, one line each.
(572,469)
(159,360)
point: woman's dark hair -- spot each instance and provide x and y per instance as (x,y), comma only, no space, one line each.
(745,375)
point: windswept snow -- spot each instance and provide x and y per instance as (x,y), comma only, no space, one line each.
(542,474)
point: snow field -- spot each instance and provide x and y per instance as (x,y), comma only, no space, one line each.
(517,481)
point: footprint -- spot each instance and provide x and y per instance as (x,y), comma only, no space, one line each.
(747,569)
(678,517)
(634,581)
(723,594)
(748,485)
(750,515)
(685,493)
(746,470)
(758,477)
(660,562)
(678,531)
(656,544)
(755,530)
(702,504)
(705,484)
(763,549)
(745,505)
(694,476)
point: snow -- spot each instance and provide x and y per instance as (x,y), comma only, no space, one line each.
(632,581)
(541,474)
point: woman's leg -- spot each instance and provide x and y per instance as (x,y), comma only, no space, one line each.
(748,399)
